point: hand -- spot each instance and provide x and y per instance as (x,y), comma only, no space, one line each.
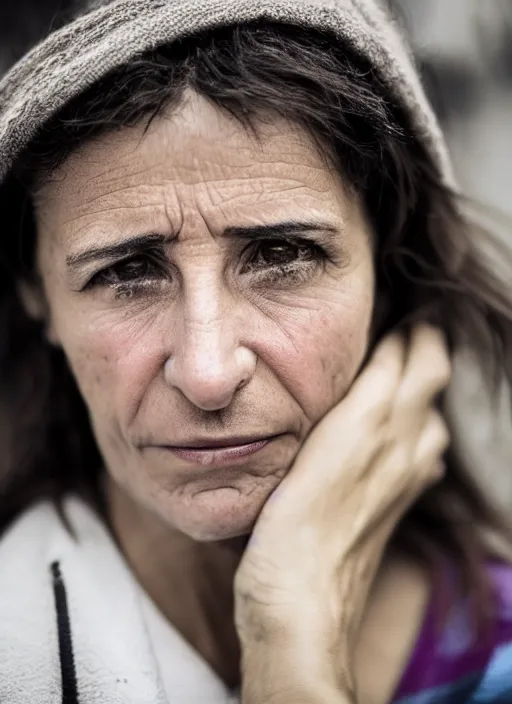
(304,579)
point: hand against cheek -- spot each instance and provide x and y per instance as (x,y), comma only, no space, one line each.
(304,579)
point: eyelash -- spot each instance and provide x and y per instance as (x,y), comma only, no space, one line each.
(129,288)
(298,269)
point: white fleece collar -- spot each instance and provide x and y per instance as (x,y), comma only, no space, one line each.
(76,628)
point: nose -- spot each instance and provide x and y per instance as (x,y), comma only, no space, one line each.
(208,364)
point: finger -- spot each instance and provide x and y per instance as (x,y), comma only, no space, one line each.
(350,429)
(390,516)
(405,471)
(372,395)
(425,467)
(427,373)
(428,367)
(427,475)
(433,442)
(407,467)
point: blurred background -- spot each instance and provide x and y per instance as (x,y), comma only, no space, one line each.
(464,52)
(463,49)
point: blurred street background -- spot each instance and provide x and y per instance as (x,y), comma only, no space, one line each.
(464,51)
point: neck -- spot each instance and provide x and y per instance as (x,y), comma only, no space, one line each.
(191,583)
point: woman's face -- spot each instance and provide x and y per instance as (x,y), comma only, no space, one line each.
(209,289)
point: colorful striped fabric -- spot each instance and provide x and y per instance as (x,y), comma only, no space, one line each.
(450,665)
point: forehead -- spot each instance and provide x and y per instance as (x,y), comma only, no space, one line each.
(194,141)
(196,157)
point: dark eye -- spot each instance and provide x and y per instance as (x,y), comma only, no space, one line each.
(275,262)
(140,268)
(280,253)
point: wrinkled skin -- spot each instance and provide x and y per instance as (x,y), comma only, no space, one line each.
(205,334)
(217,323)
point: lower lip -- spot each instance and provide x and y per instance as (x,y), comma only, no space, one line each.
(218,455)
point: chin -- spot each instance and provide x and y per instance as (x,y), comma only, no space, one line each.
(218,514)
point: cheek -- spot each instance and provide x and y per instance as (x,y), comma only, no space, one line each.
(328,357)
(320,347)
(113,362)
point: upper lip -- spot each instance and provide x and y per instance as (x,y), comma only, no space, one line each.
(208,443)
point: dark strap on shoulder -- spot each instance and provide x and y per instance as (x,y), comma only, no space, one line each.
(67,657)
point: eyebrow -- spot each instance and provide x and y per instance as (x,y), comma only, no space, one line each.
(126,248)
(289,228)
(140,243)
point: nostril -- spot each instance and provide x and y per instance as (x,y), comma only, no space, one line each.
(242,383)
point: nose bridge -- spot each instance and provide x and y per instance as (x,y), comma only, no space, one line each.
(206,326)
(209,362)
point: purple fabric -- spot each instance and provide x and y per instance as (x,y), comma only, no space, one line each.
(454,652)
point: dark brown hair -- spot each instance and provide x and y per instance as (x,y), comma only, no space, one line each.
(429,262)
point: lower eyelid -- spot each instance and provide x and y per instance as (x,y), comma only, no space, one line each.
(287,271)
(134,288)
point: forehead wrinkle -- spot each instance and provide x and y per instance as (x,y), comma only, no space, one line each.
(233,172)
(78,169)
(81,199)
(249,192)
(107,211)
(224,169)
(121,172)
(128,191)
(128,177)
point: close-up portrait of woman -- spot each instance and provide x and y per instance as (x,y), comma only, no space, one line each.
(236,275)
